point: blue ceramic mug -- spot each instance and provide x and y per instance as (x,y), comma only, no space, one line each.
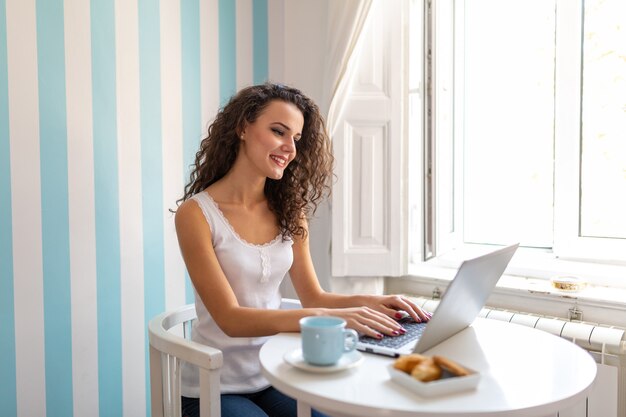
(325,339)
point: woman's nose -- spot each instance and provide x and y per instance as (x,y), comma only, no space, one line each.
(290,144)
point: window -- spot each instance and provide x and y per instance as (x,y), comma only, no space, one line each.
(495,121)
(526,136)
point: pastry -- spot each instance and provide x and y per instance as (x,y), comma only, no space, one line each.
(406,363)
(450,366)
(426,371)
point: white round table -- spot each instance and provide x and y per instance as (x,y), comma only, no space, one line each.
(524,372)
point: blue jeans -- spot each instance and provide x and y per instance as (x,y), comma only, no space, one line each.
(267,403)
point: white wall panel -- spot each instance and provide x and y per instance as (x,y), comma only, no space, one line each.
(130,207)
(81,207)
(172,128)
(26,206)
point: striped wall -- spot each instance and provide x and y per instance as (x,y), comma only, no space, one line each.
(102,106)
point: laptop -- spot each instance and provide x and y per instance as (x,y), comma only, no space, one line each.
(465,297)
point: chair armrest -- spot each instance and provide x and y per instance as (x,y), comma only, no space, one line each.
(203,356)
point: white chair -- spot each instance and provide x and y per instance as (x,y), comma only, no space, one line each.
(169,346)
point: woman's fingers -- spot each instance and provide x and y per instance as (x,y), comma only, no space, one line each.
(372,323)
(421,313)
(402,303)
(391,312)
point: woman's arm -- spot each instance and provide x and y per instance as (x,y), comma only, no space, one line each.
(194,237)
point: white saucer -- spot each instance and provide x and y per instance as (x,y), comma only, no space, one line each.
(348,360)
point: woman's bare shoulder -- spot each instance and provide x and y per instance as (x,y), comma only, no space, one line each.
(188,212)
(187,206)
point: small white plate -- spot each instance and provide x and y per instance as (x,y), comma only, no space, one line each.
(348,360)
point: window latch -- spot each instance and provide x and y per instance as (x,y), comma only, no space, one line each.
(436,293)
(575,314)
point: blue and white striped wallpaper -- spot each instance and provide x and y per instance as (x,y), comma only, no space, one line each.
(102,106)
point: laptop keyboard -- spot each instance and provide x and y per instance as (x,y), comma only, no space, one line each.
(413,329)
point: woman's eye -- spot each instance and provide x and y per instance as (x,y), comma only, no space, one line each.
(278,132)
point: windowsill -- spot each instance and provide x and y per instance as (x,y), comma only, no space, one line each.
(519,285)
(526,285)
(536,263)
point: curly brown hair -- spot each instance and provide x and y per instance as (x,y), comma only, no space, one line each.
(305,181)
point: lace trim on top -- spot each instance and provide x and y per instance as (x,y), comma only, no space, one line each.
(239,238)
(266,265)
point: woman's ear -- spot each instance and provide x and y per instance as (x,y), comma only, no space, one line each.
(241,132)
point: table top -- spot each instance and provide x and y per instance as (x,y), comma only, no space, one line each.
(524,372)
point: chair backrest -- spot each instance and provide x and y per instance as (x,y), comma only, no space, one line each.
(167,351)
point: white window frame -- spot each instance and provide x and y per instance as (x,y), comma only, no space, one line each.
(601,261)
(568,243)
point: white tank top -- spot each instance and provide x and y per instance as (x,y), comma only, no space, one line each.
(254,273)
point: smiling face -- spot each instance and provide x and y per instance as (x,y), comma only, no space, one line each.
(269,143)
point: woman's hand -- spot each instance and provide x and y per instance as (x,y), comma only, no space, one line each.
(367,321)
(379,314)
(393,305)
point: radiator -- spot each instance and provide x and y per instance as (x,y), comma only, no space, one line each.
(606,344)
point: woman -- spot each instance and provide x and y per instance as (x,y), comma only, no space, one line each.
(242,225)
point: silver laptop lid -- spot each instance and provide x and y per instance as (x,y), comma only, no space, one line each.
(465,297)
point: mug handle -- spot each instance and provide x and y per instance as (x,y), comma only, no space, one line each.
(350,340)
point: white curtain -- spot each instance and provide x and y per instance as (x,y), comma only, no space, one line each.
(346,21)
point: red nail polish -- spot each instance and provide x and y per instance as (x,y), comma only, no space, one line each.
(403,331)
(395,333)
(379,336)
(398,315)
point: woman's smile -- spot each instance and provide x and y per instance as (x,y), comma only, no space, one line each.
(281,161)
